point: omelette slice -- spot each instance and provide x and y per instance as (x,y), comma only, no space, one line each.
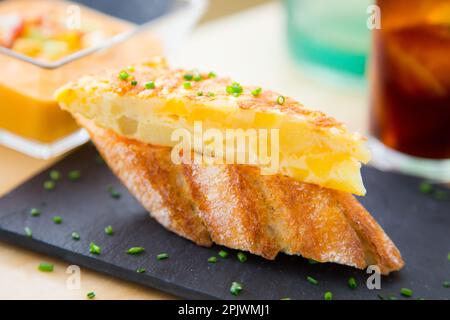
(149,101)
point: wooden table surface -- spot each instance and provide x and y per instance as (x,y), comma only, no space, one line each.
(249,45)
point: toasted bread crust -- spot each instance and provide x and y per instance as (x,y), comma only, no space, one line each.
(235,206)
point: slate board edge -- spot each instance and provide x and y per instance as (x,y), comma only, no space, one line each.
(100,266)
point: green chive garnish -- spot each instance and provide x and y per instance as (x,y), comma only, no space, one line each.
(312,280)
(55,175)
(49,185)
(135,250)
(312,261)
(90,295)
(256,92)
(74,175)
(162,256)
(187,85)
(57,219)
(109,230)
(448,256)
(113,192)
(223,254)
(212,259)
(141,270)
(235,89)
(75,236)
(197,77)
(406,292)
(94,249)
(35,212)
(352,283)
(280,100)
(28,232)
(188,76)
(134,83)
(328,295)
(241,257)
(235,288)
(45,267)
(211,94)
(123,75)
(446,284)
(199,93)
(212,75)
(285,298)
(425,187)
(150,85)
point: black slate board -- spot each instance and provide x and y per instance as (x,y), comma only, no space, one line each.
(417,223)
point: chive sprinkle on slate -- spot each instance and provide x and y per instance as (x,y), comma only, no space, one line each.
(49,185)
(242,257)
(90,295)
(425,187)
(352,283)
(45,267)
(446,284)
(57,219)
(448,256)
(35,212)
(113,192)
(223,254)
(141,270)
(406,292)
(74,175)
(55,175)
(328,295)
(94,249)
(75,236)
(28,232)
(312,280)
(162,256)
(135,250)
(236,288)
(212,259)
(109,230)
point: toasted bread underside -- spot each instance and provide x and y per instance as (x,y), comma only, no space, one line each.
(235,206)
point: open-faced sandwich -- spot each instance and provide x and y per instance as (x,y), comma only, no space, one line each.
(294,196)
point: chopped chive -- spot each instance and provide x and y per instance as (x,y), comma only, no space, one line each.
(141,270)
(45,267)
(57,219)
(134,83)
(113,192)
(448,256)
(328,295)
(49,185)
(35,212)
(150,85)
(280,100)
(123,75)
(135,250)
(406,292)
(211,94)
(162,256)
(188,76)
(242,257)
(312,261)
(312,280)
(446,284)
(425,187)
(75,236)
(212,74)
(392,297)
(90,295)
(74,175)
(235,89)
(187,85)
(236,288)
(55,175)
(285,298)
(212,259)
(197,77)
(199,93)
(94,249)
(440,195)
(109,230)
(28,232)
(256,92)
(352,283)
(223,254)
